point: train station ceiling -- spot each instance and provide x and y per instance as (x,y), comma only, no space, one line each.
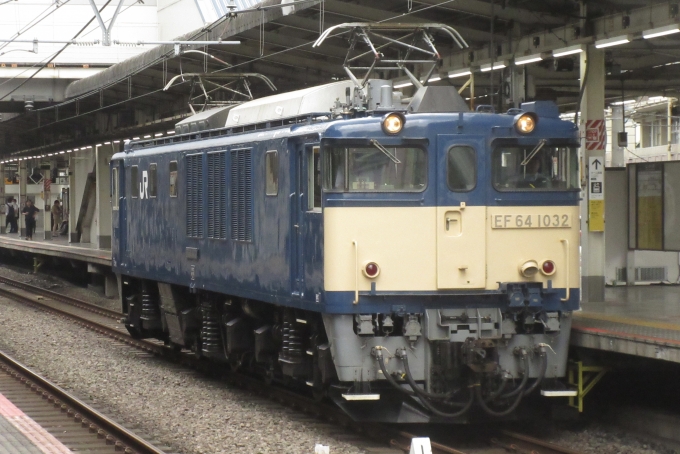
(154,90)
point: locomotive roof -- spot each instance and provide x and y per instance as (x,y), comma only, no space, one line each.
(320,124)
(295,103)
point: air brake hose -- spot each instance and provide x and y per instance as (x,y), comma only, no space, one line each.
(456,414)
(423,401)
(486,408)
(525,378)
(541,373)
(421,392)
(386,374)
(499,390)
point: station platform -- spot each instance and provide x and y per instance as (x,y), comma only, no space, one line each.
(57,247)
(21,434)
(635,320)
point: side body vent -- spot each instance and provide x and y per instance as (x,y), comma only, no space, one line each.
(217,196)
(622,274)
(241,196)
(651,274)
(194,196)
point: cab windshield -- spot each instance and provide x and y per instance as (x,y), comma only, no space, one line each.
(375,168)
(535,168)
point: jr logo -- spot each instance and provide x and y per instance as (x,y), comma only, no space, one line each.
(144,186)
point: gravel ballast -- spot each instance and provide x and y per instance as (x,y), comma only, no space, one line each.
(191,412)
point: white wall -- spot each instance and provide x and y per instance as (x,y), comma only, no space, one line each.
(617,254)
(616,221)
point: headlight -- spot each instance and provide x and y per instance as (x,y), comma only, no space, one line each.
(526,123)
(393,123)
(529,268)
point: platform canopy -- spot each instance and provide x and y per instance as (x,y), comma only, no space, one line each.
(530,38)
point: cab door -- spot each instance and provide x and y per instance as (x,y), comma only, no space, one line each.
(306,220)
(461,213)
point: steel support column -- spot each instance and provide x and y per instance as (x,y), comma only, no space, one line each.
(592,118)
(103,155)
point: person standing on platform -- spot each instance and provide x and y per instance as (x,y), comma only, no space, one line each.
(12,215)
(56,217)
(9,214)
(30,212)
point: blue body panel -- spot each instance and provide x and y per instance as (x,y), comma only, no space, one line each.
(283,264)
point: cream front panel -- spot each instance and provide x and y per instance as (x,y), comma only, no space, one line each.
(518,234)
(401,240)
(461,247)
(416,252)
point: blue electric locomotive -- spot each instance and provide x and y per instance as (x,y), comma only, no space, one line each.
(408,258)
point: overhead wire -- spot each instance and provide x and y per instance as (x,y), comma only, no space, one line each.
(57,52)
(199,33)
(55,55)
(33,22)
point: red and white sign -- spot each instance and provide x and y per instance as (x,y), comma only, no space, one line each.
(596,135)
(47,182)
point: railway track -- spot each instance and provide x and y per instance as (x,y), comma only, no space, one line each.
(77,425)
(107,322)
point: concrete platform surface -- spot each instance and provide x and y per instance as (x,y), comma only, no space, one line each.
(635,320)
(21,434)
(57,247)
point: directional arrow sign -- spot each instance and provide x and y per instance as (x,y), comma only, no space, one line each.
(595,195)
(595,179)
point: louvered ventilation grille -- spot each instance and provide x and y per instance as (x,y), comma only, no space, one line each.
(241,196)
(217,196)
(651,273)
(194,196)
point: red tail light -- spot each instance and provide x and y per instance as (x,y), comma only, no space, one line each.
(548,267)
(371,270)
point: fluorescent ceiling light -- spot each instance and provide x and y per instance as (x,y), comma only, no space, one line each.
(661,31)
(564,51)
(627,101)
(459,73)
(528,59)
(403,84)
(609,42)
(434,79)
(493,66)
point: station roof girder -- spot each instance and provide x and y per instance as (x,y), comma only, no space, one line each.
(281,49)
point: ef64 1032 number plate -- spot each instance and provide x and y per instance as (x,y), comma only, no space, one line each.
(530,221)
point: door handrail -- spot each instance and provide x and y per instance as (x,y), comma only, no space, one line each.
(566,243)
(356,272)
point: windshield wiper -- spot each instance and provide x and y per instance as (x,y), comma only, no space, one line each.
(540,145)
(387,153)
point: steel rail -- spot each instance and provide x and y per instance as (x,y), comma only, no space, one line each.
(62,298)
(540,443)
(124,439)
(115,333)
